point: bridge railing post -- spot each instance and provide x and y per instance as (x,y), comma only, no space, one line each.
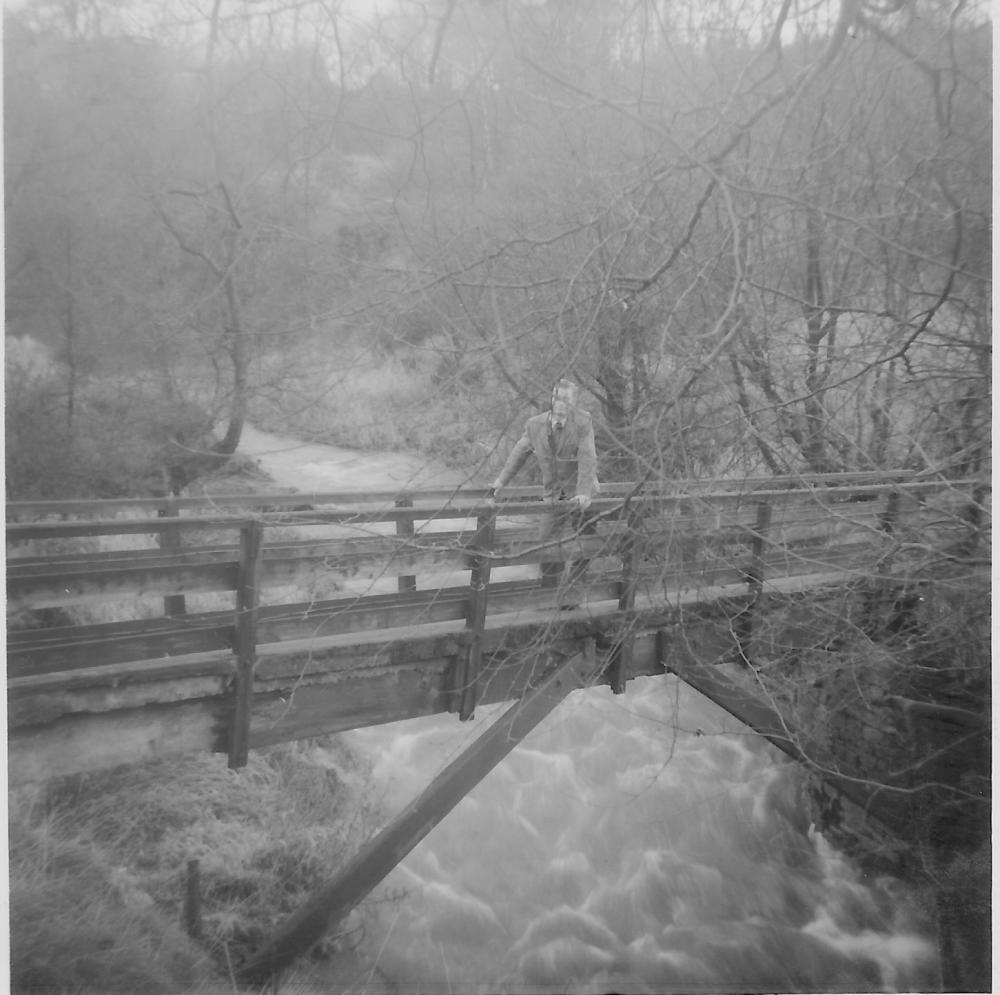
(621,651)
(755,578)
(466,688)
(173,604)
(404,530)
(245,638)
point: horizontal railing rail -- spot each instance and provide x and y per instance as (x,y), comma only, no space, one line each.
(289,501)
(702,539)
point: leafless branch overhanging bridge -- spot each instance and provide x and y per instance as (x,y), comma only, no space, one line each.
(426,619)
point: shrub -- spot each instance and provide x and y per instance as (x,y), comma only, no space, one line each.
(264,836)
(77,926)
(118,438)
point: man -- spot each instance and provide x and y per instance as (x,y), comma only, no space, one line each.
(562,440)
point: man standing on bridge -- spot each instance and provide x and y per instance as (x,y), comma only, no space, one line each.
(562,440)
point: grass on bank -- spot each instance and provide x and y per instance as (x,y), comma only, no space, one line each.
(99,866)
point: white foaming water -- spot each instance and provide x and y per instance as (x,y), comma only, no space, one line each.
(640,843)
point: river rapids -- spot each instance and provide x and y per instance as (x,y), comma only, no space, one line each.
(638,843)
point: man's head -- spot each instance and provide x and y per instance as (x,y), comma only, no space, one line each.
(564,395)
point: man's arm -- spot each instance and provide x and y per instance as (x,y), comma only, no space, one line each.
(517,458)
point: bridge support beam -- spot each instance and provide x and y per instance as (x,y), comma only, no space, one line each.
(388,847)
(757,713)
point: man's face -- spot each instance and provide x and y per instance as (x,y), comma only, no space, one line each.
(563,399)
(560,412)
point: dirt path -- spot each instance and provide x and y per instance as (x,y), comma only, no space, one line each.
(314,466)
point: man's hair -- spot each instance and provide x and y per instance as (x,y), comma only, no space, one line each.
(566,390)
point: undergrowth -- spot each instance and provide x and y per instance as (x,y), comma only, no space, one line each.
(99,866)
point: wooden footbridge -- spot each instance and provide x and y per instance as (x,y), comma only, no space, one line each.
(152,627)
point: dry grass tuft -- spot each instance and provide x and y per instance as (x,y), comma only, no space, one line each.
(76,928)
(99,865)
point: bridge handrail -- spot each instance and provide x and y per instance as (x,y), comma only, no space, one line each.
(171,505)
(667,547)
(701,546)
(526,502)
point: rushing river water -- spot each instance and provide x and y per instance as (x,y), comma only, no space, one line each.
(641,843)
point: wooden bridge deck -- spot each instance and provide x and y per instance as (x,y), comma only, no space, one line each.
(182,626)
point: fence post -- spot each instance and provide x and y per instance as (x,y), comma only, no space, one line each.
(404,529)
(467,683)
(755,579)
(173,604)
(245,642)
(621,651)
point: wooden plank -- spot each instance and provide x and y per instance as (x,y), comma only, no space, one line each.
(152,505)
(670,494)
(67,587)
(340,516)
(282,560)
(120,559)
(403,687)
(321,707)
(519,552)
(76,649)
(18,532)
(388,847)
(145,573)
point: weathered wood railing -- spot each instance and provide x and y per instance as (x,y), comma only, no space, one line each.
(436,599)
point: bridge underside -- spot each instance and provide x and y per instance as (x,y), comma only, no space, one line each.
(64,724)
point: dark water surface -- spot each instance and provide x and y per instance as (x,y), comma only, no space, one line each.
(641,843)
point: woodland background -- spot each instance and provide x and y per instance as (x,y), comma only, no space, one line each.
(757,233)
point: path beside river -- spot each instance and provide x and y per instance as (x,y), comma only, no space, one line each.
(314,466)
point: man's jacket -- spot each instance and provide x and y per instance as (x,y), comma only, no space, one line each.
(567,457)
